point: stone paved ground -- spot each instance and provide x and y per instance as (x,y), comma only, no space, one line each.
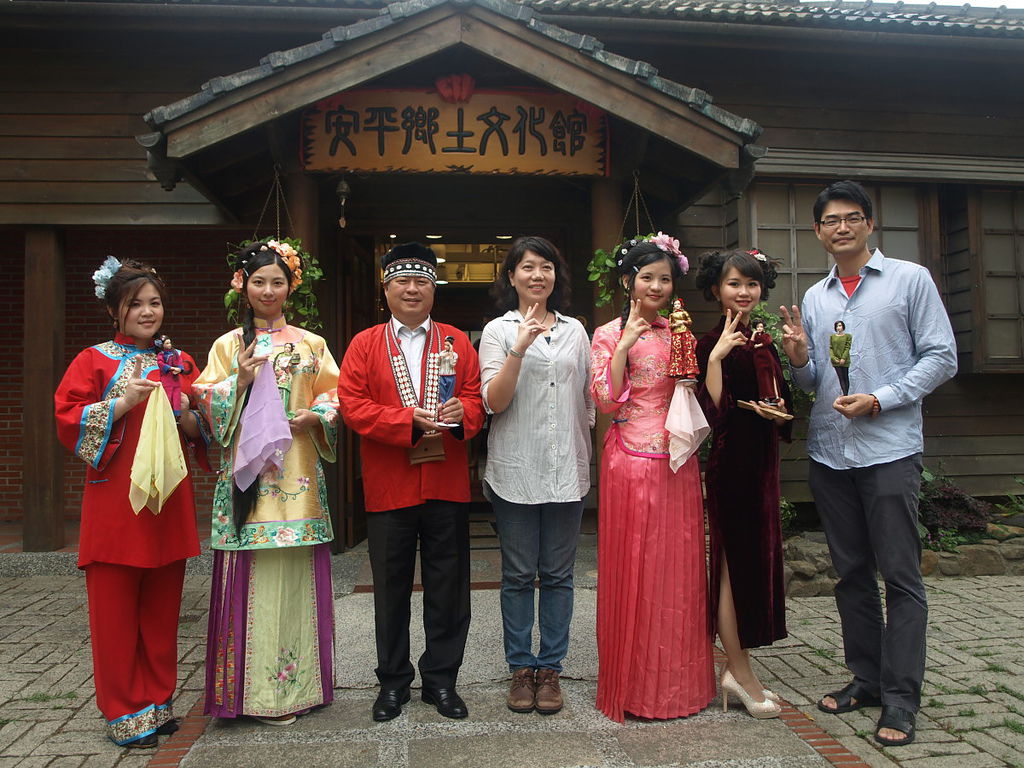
(973,714)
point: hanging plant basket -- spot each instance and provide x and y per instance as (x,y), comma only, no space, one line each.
(301,307)
(601,267)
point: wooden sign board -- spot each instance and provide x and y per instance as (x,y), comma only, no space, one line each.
(529,132)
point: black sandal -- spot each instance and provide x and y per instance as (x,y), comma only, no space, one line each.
(898,719)
(850,698)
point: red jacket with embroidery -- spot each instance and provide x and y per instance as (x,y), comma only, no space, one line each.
(371,406)
(111,531)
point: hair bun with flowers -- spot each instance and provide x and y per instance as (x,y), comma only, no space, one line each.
(101,277)
(666,243)
(290,257)
(769,267)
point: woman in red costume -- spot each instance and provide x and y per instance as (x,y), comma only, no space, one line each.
(138,516)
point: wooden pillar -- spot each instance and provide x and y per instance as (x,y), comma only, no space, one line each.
(43,350)
(606,222)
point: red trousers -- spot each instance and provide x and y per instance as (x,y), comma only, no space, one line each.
(133,618)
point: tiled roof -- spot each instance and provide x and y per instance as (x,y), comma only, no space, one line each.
(883,17)
(695,98)
(888,17)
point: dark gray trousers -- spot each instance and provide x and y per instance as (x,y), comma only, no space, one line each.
(870,520)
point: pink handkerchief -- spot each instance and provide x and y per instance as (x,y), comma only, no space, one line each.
(264,436)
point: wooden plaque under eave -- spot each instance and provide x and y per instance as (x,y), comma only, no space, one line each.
(523,132)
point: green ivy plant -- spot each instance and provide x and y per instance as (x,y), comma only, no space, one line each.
(301,308)
(600,270)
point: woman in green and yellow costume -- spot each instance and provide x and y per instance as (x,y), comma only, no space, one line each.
(271,633)
(839,344)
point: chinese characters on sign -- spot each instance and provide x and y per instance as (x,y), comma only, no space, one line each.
(521,132)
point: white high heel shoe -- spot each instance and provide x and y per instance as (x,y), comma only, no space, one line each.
(762,710)
(771,695)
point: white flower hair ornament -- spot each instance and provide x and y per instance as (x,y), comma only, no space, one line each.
(101,277)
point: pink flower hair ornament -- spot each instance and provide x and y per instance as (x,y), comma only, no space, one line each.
(670,245)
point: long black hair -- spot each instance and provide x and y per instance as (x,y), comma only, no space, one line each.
(250,260)
(505,296)
(638,254)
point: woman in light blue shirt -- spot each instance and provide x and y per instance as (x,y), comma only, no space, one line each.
(534,372)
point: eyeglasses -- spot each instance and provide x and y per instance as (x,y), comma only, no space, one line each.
(831,222)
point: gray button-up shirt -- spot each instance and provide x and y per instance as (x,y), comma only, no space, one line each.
(538,449)
(903,348)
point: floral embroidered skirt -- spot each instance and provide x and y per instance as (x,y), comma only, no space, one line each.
(653,639)
(270,643)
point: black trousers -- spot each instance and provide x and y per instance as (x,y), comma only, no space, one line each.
(843,372)
(870,520)
(441,529)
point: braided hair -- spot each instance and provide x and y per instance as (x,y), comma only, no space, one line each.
(250,260)
(634,256)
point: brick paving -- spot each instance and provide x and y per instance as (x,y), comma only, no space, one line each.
(973,714)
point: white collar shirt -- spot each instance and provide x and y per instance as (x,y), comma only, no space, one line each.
(539,447)
(412,341)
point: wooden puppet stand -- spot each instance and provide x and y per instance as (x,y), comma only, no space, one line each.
(750,406)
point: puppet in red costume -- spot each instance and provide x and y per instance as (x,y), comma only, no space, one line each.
(415,479)
(133,547)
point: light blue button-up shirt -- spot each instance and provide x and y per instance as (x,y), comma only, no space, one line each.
(903,348)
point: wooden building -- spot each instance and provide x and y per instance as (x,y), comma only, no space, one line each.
(155,130)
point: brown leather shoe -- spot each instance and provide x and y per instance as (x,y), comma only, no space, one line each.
(549,695)
(520,692)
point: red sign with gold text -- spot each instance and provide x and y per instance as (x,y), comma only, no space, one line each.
(530,132)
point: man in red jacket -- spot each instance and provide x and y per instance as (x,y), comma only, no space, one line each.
(415,479)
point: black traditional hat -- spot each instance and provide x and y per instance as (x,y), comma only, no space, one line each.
(409,259)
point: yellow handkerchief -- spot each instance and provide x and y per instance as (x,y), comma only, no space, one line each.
(159,464)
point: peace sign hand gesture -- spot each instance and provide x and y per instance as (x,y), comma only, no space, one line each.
(636,326)
(730,337)
(528,331)
(248,364)
(794,337)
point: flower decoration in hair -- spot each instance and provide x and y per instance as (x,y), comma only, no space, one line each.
(290,257)
(758,255)
(670,245)
(101,277)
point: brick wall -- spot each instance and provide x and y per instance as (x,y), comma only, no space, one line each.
(191,263)
(12,300)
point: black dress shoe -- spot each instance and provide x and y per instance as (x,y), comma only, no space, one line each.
(146,742)
(171,726)
(447,702)
(389,703)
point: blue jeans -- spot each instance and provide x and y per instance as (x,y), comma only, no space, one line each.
(537,539)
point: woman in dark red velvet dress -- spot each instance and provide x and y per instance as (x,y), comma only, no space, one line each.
(742,476)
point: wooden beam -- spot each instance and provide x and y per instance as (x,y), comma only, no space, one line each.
(615,92)
(43,355)
(501,39)
(88,214)
(606,212)
(300,86)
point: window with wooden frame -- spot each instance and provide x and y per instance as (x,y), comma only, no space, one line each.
(782,225)
(999,276)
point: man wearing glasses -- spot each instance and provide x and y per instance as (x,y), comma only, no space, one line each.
(865,449)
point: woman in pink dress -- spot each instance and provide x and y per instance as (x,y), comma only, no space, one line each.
(653,637)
